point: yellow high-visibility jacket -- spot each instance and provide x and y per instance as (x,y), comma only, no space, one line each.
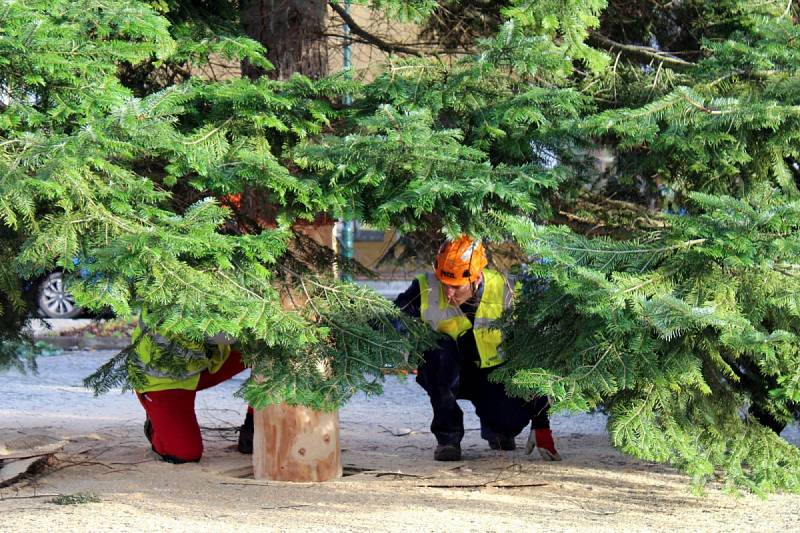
(450,320)
(200,357)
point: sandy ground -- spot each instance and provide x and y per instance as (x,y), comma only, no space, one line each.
(391,482)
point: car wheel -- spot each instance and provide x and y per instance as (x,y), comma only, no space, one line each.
(54,301)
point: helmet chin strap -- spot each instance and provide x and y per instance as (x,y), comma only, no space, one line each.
(474,285)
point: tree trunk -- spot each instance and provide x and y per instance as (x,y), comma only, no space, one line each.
(296,444)
(293,33)
(293,443)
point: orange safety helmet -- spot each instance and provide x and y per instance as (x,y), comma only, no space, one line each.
(460,261)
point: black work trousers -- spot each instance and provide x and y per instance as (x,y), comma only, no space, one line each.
(451,373)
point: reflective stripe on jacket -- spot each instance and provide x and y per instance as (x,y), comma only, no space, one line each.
(152,345)
(451,321)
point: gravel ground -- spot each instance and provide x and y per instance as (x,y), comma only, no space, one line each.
(391,482)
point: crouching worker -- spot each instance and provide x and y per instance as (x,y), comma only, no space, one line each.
(460,299)
(168,395)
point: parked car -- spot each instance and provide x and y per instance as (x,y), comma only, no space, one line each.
(50,296)
(53,300)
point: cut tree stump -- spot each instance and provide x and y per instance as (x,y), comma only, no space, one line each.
(293,443)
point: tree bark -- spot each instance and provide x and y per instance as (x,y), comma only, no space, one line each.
(296,444)
(293,33)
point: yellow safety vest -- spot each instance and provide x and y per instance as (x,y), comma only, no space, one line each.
(152,345)
(450,320)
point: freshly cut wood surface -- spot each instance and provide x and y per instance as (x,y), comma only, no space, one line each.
(296,444)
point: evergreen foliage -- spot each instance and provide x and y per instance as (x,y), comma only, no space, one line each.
(686,337)
(480,134)
(91,170)
(669,334)
(682,328)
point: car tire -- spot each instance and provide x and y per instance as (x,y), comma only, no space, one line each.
(54,301)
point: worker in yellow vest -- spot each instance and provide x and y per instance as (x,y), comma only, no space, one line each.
(169,389)
(461,299)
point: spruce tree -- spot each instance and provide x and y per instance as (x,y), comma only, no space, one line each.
(682,327)
(128,181)
(685,334)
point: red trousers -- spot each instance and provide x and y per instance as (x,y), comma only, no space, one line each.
(175,434)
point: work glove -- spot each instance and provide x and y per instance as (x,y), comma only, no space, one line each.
(542,439)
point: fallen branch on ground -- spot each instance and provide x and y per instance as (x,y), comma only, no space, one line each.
(488,484)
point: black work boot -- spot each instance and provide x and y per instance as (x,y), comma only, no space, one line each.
(447,452)
(502,442)
(148,430)
(246,435)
